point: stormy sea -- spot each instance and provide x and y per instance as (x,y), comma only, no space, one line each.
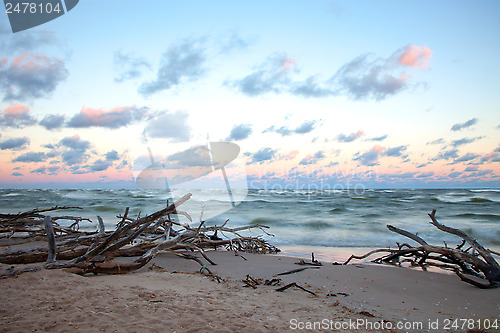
(302,221)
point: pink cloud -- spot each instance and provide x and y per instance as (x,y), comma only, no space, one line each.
(416,56)
(34,63)
(288,63)
(291,155)
(16,115)
(112,118)
(31,76)
(351,137)
(15,111)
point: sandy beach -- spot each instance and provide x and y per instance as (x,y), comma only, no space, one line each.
(170,295)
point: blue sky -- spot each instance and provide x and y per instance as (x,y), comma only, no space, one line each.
(315,93)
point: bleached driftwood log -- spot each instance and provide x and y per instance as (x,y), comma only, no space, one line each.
(94,252)
(474,265)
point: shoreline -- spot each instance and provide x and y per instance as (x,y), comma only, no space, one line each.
(169,294)
(326,253)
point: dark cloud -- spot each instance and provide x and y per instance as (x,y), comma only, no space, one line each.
(471,168)
(349,138)
(75,143)
(31,157)
(40,170)
(24,41)
(426,174)
(367,78)
(481,173)
(198,156)
(53,153)
(272,76)
(448,154)
(17,174)
(182,62)
(112,156)
(370,158)
(75,150)
(53,170)
(169,125)
(52,121)
(264,154)
(100,165)
(77,170)
(455,174)
(312,159)
(491,157)
(112,118)
(129,66)
(74,157)
(467,157)
(464,141)
(436,142)
(240,132)
(284,131)
(16,115)
(15,143)
(312,88)
(30,76)
(304,128)
(379,138)
(396,151)
(461,126)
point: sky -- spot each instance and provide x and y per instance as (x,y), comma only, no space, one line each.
(316,94)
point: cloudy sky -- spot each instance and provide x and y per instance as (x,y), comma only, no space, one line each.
(315,93)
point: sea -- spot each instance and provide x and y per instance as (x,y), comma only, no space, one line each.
(329,223)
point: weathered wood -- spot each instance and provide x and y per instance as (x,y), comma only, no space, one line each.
(100,226)
(295,271)
(486,254)
(293,284)
(51,239)
(479,263)
(94,252)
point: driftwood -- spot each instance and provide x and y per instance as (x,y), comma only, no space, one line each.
(95,252)
(474,265)
(293,271)
(293,284)
(313,262)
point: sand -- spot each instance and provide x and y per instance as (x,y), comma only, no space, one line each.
(169,295)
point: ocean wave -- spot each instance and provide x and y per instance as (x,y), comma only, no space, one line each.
(106,208)
(338,210)
(494,217)
(360,198)
(334,219)
(316,225)
(12,195)
(478,199)
(370,215)
(463,199)
(493,190)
